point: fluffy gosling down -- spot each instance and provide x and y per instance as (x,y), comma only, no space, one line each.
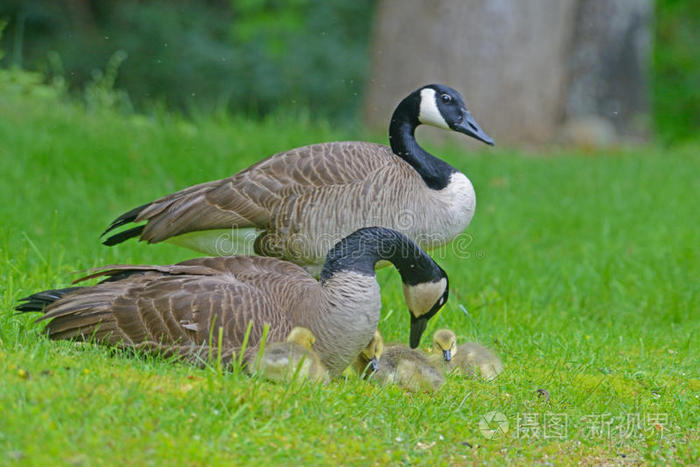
(283,361)
(398,364)
(367,362)
(466,357)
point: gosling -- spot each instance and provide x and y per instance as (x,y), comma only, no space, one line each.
(367,363)
(283,361)
(398,364)
(465,358)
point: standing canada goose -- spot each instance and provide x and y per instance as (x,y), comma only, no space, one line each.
(183,306)
(283,361)
(296,204)
(467,357)
(398,364)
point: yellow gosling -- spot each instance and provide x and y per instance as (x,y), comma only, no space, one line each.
(368,361)
(283,361)
(465,358)
(398,364)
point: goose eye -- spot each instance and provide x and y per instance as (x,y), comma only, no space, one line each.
(446,98)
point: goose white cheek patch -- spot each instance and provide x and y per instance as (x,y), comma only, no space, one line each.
(429,113)
(420,298)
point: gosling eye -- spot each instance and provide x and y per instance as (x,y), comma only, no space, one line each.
(446,98)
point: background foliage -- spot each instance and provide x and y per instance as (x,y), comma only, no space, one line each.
(676,89)
(249,56)
(253,56)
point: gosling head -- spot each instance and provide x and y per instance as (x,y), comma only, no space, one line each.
(424,300)
(440,106)
(445,342)
(301,336)
(373,351)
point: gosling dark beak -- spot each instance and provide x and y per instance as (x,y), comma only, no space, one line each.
(417,328)
(373,365)
(447,355)
(469,127)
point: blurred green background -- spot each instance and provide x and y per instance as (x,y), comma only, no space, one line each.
(676,69)
(256,56)
(249,56)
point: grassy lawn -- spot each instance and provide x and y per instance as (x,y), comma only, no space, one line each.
(580,269)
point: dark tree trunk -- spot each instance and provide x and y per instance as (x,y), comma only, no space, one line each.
(609,65)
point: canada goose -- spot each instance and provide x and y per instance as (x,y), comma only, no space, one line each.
(282,361)
(184,305)
(466,357)
(296,204)
(398,364)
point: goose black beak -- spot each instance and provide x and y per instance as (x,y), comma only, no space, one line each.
(373,364)
(417,328)
(447,355)
(469,127)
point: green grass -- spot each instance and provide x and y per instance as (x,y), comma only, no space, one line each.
(581,271)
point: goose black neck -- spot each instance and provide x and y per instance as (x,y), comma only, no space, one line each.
(361,250)
(434,172)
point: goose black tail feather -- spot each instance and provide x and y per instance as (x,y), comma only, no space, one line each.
(124,235)
(39,301)
(124,219)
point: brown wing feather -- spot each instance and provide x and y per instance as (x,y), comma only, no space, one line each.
(250,198)
(171,308)
(209,265)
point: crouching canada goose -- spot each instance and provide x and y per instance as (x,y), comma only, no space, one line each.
(465,358)
(284,361)
(183,305)
(296,204)
(398,364)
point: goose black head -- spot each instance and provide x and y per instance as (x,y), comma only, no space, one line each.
(424,300)
(443,107)
(425,283)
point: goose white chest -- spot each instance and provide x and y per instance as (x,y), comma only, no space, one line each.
(351,309)
(452,208)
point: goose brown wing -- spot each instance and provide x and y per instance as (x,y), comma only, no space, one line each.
(171,308)
(250,198)
(271,268)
